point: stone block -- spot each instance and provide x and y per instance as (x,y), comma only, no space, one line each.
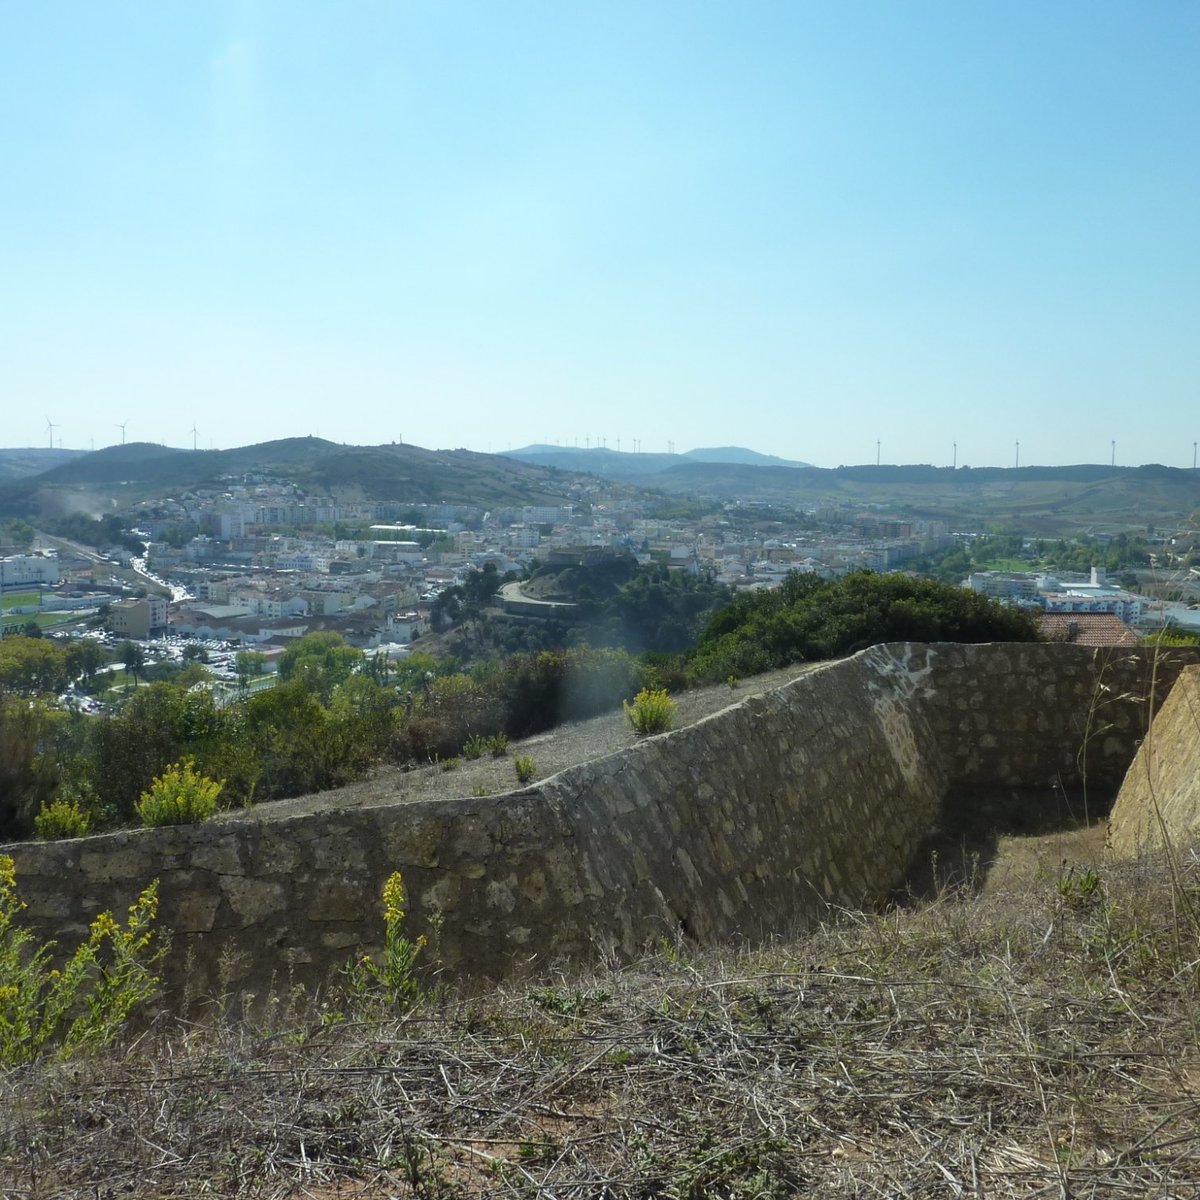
(99,865)
(343,900)
(221,857)
(193,911)
(252,900)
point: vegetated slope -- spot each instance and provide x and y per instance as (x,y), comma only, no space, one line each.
(1033,1040)
(617,464)
(32,460)
(739,454)
(809,618)
(378,472)
(1040,499)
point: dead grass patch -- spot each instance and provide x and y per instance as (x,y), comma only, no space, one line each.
(1036,1038)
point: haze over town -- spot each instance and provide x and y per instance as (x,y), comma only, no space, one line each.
(825,232)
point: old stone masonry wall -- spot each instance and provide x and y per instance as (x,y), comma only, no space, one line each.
(749,823)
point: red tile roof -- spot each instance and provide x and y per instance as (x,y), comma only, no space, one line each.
(1087,629)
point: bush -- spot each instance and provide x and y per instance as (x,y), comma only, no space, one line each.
(652,711)
(61,819)
(808,618)
(525,768)
(179,796)
(85,1004)
(475,746)
(393,980)
(498,745)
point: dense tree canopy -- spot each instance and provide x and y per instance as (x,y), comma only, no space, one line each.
(810,618)
(32,665)
(321,661)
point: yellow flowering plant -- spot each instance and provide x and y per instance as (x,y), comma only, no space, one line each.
(392,979)
(86,1002)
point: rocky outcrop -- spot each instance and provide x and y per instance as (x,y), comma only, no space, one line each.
(1159,802)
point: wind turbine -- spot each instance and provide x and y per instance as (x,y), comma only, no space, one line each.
(51,427)
(193,435)
(121,427)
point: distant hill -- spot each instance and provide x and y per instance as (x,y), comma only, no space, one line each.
(121,474)
(1039,500)
(33,460)
(625,464)
(1045,501)
(738,454)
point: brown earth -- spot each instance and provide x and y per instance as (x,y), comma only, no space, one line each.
(552,751)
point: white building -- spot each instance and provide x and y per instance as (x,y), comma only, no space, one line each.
(39,567)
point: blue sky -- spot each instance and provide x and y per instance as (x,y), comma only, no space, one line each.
(800,227)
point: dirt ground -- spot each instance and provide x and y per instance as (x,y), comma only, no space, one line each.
(552,751)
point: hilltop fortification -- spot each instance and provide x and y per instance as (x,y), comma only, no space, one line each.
(749,823)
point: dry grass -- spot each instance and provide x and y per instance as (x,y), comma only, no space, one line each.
(1040,1038)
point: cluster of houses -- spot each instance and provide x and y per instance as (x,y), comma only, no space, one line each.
(257,562)
(1091,611)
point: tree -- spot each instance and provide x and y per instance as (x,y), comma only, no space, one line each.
(17,533)
(809,618)
(32,666)
(249,664)
(157,726)
(192,673)
(28,775)
(83,659)
(320,661)
(133,657)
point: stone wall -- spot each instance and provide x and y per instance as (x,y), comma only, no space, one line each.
(746,824)
(1160,798)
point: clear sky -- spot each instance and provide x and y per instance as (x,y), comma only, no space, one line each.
(800,227)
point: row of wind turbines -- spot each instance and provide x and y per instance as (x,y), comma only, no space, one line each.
(51,426)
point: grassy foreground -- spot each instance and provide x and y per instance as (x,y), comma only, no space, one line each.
(1040,1039)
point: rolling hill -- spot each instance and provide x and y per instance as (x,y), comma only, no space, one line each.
(20,463)
(626,465)
(122,474)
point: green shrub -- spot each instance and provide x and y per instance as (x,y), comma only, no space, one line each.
(652,711)
(179,796)
(86,1003)
(475,746)
(449,764)
(808,618)
(525,768)
(61,819)
(498,745)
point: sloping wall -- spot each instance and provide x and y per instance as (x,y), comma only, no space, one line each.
(746,824)
(1160,798)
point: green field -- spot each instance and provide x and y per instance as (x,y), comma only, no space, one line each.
(15,622)
(20,599)
(1007,564)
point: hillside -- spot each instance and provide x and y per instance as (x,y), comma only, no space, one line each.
(1025,1039)
(32,460)
(627,465)
(1036,499)
(122,474)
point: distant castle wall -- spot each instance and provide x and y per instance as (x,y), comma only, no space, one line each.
(747,824)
